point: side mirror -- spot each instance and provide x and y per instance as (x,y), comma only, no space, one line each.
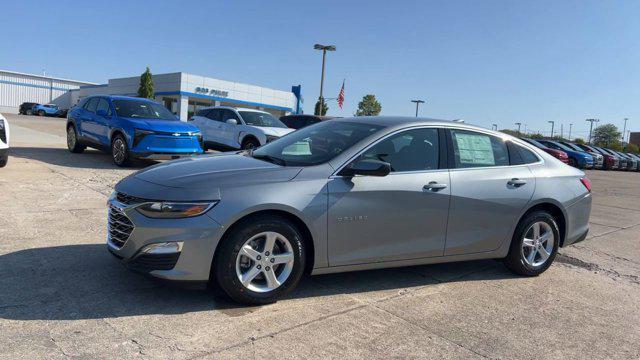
(232,121)
(102,113)
(368,167)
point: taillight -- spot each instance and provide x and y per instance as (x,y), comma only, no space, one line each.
(585,181)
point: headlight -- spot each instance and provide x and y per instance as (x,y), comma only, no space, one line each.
(174,210)
(139,134)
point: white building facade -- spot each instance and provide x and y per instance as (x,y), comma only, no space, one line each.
(184,94)
(16,88)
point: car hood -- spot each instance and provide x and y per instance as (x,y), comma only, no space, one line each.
(198,175)
(275,131)
(169,126)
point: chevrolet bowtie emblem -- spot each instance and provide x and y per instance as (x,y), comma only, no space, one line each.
(176,134)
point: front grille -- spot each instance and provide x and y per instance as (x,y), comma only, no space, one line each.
(150,262)
(120,227)
(128,199)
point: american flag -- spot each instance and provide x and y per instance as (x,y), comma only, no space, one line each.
(341,96)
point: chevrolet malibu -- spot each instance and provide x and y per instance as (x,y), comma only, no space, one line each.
(345,195)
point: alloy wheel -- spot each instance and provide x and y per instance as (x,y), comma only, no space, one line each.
(264,262)
(537,244)
(119,150)
(71,138)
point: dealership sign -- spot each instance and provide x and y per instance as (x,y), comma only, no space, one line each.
(213,92)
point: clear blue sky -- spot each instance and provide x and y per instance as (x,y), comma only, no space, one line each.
(483,61)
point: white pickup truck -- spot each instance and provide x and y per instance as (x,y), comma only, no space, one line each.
(4,141)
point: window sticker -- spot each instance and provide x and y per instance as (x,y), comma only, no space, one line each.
(475,149)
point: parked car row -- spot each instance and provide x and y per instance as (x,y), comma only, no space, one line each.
(587,156)
(31,108)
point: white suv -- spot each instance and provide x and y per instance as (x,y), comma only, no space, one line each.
(237,128)
(4,141)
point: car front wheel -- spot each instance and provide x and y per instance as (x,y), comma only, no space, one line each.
(249,144)
(120,151)
(41,113)
(534,245)
(261,260)
(72,140)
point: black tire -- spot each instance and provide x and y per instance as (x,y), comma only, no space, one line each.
(572,162)
(224,263)
(250,143)
(28,112)
(41,113)
(515,260)
(73,144)
(120,151)
(3,160)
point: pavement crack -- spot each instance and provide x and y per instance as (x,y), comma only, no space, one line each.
(575,262)
(272,334)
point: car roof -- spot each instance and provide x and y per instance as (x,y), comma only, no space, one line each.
(235,108)
(120,97)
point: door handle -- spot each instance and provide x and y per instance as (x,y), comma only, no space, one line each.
(515,182)
(434,186)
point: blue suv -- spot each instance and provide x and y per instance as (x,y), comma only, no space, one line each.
(128,128)
(46,110)
(579,159)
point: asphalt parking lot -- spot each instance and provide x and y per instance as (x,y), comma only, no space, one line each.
(62,295)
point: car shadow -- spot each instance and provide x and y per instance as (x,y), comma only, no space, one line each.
(89,159)
(85,282)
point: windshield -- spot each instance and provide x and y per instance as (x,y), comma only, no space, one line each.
(261,119)
(574,147)
(142,109)
(563,147)
(535,143)
(315,144)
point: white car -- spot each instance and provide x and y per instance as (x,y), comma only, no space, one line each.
(237,128)
(4,141)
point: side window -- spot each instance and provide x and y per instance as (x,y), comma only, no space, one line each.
(518,155)
(91,105)
(202,112)
(473,149)
(411,150)
(214,115)
(104,105)
(228,114)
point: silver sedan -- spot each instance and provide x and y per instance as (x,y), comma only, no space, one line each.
(345,195)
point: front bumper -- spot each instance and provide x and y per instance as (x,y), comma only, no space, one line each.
(163,156)
(192,263)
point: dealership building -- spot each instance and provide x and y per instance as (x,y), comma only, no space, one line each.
(181,93)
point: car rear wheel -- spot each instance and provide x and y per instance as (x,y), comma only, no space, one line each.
(120,151)
(72,140)
(28,112)
(3,160)
(248,144)
(260,261)
(41,113)
(534,245)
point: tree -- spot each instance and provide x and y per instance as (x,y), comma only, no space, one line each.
(369,106)
(606,135)
(325,108)
(511,132)
(578,140)
(536,136)
(632,148)
(146,85)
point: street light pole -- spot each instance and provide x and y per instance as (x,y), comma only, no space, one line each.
(418,102)
(324,49)
(624,131)
(494,127)
(591,127)
(552,124)
(518,126)
(570,126)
